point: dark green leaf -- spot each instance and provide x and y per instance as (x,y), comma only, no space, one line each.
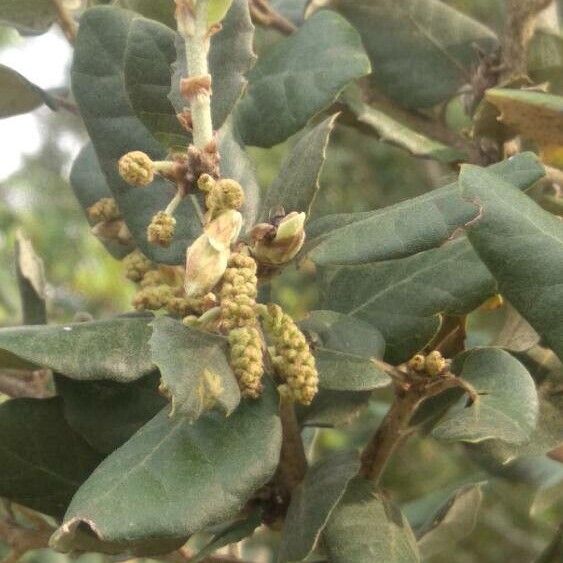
(299,77)
(312,503)
(115,349)
(187,357)
(149,53)
(89,185)
(410,226)
(98,85)
(454,520)
(344,347)
(18,95)
(507,405)
(174,478)
(236,164)
(107,413)
(366,527)
(297,183)
(159,10)
(545,59)
(235,532)
(31,280)
(391,130)
(43,459)
(421,51)
(29,17)
(405,298)
(333,408)
(522,245)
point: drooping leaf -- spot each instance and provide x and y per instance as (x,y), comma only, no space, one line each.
(231,56)
(44,461)
(411,226)
(545,59)
(522,245)
(89,185)
(507,405)
(233,533)
(453,521)
(299,77)
(366,527)
(29,17)
(516,334)
(391,130)
(107,413)
(174,478)
(115,349)
(187,359)
(312,503)
(405,298)
(344,348)
(18,95)
(98,85)
(297,182)
(421,51)
(535,115)
(31,280)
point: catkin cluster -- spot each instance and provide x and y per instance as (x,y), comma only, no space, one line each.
(291,355)
(433,364)
(238,317)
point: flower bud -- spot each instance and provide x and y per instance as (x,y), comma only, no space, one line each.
(435,363)
(161,229)
(136,265)
(416,363)
(104,209)
(224,194)
(207,257)
(136,168)
(276,245)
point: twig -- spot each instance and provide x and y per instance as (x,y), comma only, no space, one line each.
(263,14)
(65,21)
(394,428)
(520,25)
(23,383)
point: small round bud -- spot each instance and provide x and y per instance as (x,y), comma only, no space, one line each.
(435,363)
(206,183)
(417,362)
(161,229)
(136,168)
(104,209)
(136,265)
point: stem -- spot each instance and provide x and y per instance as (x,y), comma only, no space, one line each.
(293,462)
(395,425)
(389,435)
(65,21)
(520,25)
(196,37)
(176,200)
(263,14)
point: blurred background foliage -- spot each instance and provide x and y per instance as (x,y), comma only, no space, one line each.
(517,520)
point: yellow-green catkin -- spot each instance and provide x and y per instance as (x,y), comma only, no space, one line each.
(161,229)
(238,292)
(153,297)
(238,316)
(221,194)
(136,265)
(291,356)
(104,209)
(247,360)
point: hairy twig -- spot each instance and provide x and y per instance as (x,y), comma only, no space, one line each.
(65,20)
(394,428)
(520,25)
(263,14)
